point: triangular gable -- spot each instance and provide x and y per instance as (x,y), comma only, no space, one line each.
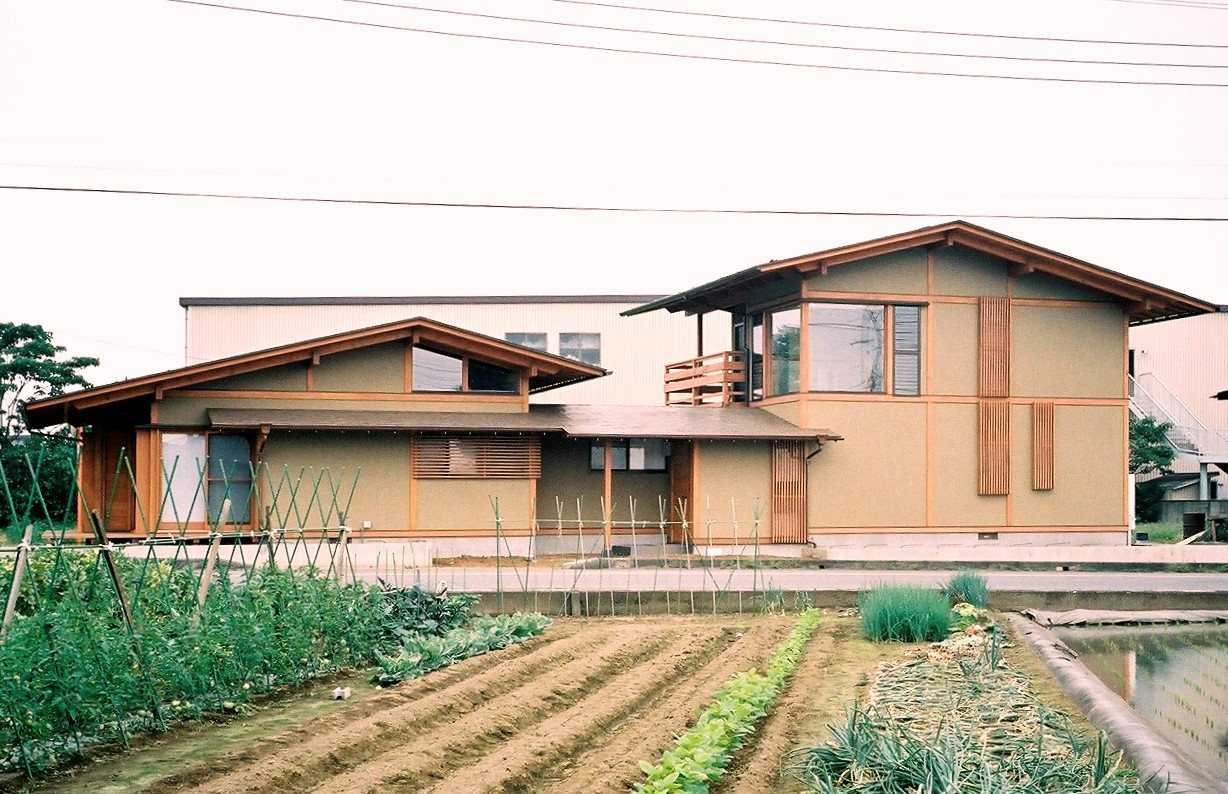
(546,371)
(1142,301)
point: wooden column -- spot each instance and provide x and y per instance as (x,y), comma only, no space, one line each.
(608,491)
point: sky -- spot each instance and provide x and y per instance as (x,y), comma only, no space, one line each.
(107,102)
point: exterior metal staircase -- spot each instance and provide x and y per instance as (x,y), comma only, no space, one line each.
(1187,434)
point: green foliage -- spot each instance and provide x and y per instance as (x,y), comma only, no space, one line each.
(699,757)
(1150,452)
(71,675)
(967,587)
(419,655)
(1161,533)
(905,613)
(411,612)
(1147,498)
(37,483)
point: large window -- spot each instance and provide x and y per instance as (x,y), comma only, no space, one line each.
(585,348)
(200,472)
(629,454)
(840,347)
(441,372)
(847,346)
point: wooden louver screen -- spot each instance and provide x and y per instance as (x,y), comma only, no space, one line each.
(994,446)
(788,492)
(994,337)
(1042,446)
(477,457)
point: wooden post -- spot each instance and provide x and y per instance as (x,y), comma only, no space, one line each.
(19,573)
(609,491)
(206,578)
(340,552)
(105,549)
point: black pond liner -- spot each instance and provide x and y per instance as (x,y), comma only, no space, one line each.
(1161,766)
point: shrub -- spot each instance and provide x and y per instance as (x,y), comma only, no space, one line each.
(967,587)
(905,613)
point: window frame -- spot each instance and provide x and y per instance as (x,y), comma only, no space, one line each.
(201,501)
(565,338)
(596,454)
(465,360)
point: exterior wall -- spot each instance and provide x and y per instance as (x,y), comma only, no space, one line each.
(876,476)
(1190,358)
(636,349)
(372,369)
(381,495)
(291,377)
(192,411)
(730,477)
(567,481)
(1061,352)
(910,464)
(465,508)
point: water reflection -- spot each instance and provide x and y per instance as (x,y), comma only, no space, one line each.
(1175,677)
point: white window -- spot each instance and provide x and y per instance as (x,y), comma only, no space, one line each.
(585,348)
(200,472)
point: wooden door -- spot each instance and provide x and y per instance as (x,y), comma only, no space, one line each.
(681,490)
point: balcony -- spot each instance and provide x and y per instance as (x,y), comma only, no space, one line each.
(708,380)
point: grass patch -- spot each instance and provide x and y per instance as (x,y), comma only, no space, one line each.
(1160,533)
(967,587)
(905,613)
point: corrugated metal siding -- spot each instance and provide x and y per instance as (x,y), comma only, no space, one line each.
(635,349)
(1191,357)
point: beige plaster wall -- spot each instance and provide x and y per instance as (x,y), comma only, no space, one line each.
(900,273)
(1065,352)
(964,272)
(378,369)
(454,504)
(193,411)
(290,377)
(1045,286)
(876,476)
(731,476)
(1089,470)
(382,492)
(953,355)
(955,500)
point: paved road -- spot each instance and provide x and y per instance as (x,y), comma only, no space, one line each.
(486,580)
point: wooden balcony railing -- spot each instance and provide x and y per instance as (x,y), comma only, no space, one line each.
(708,380)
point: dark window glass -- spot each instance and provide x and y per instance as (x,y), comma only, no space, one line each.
(488,377)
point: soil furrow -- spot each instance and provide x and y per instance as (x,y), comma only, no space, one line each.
(303,756)
(614,765)
(416,765)
(516,762)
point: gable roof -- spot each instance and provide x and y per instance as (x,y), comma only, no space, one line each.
(546,371)
(1142,301)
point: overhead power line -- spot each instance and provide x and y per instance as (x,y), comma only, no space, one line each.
(895,30)
(595,208)
(808,45)
(717,58)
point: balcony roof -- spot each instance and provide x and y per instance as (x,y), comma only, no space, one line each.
(1142,301)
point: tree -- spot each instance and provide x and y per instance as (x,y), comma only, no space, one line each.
(1150,452)
(37,472)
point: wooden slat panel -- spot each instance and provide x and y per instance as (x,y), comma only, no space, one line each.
(994,445)
(788,492)
(994,337)
(477,457)
(1042,446)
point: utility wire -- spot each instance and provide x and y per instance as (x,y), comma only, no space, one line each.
(574,208)
(840,47)
(722,59)
(892,30)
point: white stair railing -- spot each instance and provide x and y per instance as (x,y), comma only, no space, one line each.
(1187,434)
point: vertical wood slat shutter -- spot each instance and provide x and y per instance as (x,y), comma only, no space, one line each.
(477,457)
(994,446)
(994,343)
(1042,446)
(788,492)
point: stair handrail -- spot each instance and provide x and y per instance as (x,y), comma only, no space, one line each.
(1185,425)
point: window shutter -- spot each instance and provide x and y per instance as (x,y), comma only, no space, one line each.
(994,444)
(477,457)
(994,336)
(906,347)
(1042,446)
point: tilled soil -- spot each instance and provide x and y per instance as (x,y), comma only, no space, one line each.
(571,711)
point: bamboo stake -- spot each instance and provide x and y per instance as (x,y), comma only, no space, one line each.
(19,573)
(206,577)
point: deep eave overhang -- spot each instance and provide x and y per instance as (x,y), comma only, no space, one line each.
(546,371)
(1141,301)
